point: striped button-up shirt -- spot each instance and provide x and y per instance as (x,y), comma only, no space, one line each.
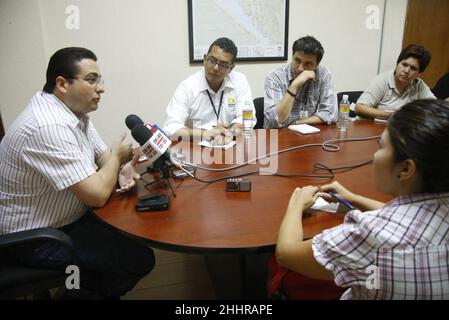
(316,97)
(398,252)
(46,150)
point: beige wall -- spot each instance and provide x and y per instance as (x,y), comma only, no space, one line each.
(142,46)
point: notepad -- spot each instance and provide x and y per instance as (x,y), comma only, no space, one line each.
(303,128)
(322,205)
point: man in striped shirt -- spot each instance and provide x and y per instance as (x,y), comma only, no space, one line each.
(301,91)
(54,167)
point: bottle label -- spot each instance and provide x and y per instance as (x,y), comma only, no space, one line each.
(344,108)
(248,114)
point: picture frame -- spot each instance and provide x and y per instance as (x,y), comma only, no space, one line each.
(258,28)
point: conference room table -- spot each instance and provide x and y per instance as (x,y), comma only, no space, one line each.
(203,218)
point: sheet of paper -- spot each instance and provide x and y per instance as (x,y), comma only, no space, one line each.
(207,144)
(322,205)
(208,126)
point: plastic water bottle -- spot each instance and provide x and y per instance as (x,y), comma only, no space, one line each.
(247,115)
(343,114)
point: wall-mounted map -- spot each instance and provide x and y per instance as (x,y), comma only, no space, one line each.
(259,28)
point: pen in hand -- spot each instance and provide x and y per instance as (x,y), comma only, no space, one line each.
(346,203)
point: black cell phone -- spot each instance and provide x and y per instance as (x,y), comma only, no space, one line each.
(152,202)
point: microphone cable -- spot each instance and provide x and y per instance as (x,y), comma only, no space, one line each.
(328,145)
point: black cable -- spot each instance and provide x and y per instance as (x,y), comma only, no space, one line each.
(286,175)
(329,145)
(317,166)
(320,166)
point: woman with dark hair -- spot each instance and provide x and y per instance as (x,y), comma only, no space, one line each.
(390,90)
(397,250)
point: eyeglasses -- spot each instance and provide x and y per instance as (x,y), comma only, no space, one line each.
(92,80)
(221,65)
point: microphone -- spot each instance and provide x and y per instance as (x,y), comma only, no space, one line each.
(153,145)
(132,120)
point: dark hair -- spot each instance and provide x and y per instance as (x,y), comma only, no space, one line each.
(225,44)
(419,131)
(416,51)
(309,45)
(64,63)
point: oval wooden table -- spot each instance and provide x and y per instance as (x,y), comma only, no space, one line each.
(204,218)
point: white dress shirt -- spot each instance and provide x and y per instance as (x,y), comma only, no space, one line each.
(191,107)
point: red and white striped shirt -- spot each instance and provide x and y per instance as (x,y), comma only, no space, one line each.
(46,150)
(398,252)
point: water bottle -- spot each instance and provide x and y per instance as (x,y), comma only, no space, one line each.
(247,115)
(343,114)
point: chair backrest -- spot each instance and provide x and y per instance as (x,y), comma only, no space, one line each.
(353,97)
(2,130)
(441,89)
(258,105)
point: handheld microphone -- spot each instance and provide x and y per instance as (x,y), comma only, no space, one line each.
(132,120)
(153,145)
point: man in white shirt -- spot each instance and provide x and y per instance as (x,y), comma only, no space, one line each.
(209,103)
(54,167)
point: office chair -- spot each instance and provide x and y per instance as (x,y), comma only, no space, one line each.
(353,97)
(441,89)
(2,129)
(17,280)
(258,105)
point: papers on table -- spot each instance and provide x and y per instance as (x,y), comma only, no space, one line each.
(322,205)
(207,144)
(304,128)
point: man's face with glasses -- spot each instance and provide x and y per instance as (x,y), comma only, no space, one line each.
(217,65)
(83,91)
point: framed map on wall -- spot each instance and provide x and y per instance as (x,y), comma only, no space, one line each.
(259,28)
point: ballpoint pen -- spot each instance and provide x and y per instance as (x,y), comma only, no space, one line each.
(346,203)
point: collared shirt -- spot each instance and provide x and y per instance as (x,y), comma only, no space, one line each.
(317,97)
(383,95)
(46,150)
(398,252)
(191,107)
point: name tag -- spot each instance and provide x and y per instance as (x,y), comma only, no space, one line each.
(231,102)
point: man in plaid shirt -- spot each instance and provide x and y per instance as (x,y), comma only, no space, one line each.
(398,250)
(301,91)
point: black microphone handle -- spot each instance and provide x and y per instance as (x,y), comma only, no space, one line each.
(141,134)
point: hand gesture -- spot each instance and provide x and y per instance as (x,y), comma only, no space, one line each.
(302,79)
(121,149)
(128,176)
(339,190)
(218,136)
(303,198)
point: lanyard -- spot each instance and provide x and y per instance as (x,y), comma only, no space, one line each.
(213,105)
